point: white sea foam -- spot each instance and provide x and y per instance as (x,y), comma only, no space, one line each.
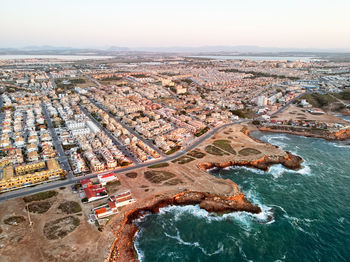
(341,220)
(140,254)
(178,238)
(243,254)
(244,219)
(339,145)
(278,170)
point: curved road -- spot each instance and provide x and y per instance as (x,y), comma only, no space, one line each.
(71,181)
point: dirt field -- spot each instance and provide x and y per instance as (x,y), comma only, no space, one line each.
(297,113)
(21,242)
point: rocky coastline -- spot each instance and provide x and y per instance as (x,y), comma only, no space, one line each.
(289,161)
(123,247)
(340,135)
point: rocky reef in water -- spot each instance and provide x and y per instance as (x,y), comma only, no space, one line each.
(123,247)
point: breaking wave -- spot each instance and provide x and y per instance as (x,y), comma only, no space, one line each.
(178,238)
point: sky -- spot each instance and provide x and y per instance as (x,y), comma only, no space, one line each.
(164,23)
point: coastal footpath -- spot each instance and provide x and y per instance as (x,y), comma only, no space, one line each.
(186,181)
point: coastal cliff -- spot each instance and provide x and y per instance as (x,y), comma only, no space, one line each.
(289,161)
(123,248)
(212,194)
(340,135)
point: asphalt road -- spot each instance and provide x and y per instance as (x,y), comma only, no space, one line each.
(286,105)
(109,134)
(61,155)
(44,187)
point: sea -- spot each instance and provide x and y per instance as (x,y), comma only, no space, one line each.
(305,213)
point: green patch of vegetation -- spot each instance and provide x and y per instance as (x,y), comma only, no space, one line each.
(187,81)
(196,153)
(67,84)
(61,227)
(68,147)
(258,74)
(249,151)
(158,177)
(344,95)
(213,150)
(183,160)
(131,175)
(139,75)
(70,207)
(112,78)
(318,100)
(256,122)
(224,145)
(202,131)
(14,220)
(238,113)
(40,196)
(39,207)
(173,150)
(159,165)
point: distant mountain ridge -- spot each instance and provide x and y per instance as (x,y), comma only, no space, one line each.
(112,50)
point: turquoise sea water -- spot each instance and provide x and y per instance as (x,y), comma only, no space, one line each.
(306,213)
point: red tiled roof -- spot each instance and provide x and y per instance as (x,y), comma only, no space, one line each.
(108,175)
(111,204)
(89,193)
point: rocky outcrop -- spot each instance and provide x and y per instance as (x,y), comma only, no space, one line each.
(289,161)
(123,248)
(343,134)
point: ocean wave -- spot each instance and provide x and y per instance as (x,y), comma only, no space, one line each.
(140,254)
(278,170)
(244,219)
(340,145)
(178,238)
(243,254)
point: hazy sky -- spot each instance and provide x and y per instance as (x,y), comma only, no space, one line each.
(135,23)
